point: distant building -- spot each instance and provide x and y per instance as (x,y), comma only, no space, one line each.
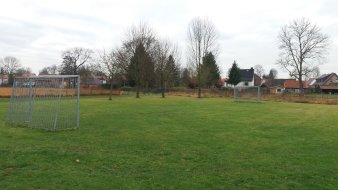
(92,80)
(257,80)
(27,75)
(327,83)
(247,77)
(275,86)
(310,83)
(4,79)
(293,86)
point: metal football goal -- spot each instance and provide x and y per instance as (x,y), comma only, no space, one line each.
(252,93)
(49,102)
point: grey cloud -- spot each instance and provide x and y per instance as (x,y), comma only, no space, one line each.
(18,33)
(92,20)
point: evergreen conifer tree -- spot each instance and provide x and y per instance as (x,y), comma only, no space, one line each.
(234,74)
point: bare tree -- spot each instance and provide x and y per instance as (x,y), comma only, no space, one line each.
(303,47)
(110,64)
(53,70)
(139,34)
(2,73)
(10,64)
(202,38)
(74,58)
(122,58)
(137,69)
(314,74)
(259,70)
(165,63)
(50,70)
(23,70)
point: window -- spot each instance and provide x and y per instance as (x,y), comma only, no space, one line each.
(246,84)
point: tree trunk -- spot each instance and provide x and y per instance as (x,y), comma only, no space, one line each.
(137,81)
(199,81)
(137,89)
(301,87)
(162,85)
(111,88)
(74,71)
(146,88)
(163,89)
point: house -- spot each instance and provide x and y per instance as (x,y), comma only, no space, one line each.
(327,83)
(92,80)
(293,86)
(27,75)
(247,77)
(3,79)
(222,82)
(257,80)
(276,86)
(309,84)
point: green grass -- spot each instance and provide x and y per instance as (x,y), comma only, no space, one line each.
(176,143)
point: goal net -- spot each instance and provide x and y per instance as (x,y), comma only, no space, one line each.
(251,93)
(47,102)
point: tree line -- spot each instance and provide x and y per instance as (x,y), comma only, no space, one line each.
(145,61)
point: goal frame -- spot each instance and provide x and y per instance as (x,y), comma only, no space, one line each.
(237,89)
(28,91)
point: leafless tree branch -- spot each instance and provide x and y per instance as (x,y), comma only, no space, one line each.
(303,47)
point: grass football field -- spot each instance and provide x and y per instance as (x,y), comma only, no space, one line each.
(176,143)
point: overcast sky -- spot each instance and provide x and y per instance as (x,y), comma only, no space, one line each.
(37,31)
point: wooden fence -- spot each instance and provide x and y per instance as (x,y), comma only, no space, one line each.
(7,91)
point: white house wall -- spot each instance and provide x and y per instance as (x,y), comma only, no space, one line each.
(242,84)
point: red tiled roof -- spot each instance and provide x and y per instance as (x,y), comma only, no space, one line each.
(293,84)
(26,75)
(3,76)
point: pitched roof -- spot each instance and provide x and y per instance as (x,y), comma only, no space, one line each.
(273,82)
(277,82)
(310,82)
(293,84)
(3,76)
(26,75)
(246,74)
(323,76)
(322,80)
(258,80)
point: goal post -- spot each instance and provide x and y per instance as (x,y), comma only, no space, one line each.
(50,102)
(250,93)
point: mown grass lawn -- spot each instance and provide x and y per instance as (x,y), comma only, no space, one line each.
(176,143)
